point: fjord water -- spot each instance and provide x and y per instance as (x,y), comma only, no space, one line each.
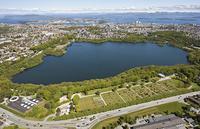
(160,18)
(90,61)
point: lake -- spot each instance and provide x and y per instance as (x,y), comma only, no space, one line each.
(84,61)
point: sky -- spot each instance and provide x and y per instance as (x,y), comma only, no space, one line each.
(99,4)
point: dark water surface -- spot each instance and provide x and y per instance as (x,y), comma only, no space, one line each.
(90,61)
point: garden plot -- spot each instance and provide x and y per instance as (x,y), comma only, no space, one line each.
(112,98)
(172,85)
(143,91)
(128,95)
(88,103)
(156,88)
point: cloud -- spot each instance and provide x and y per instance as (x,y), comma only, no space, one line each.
(177,8)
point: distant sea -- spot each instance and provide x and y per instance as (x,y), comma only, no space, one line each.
(160,18)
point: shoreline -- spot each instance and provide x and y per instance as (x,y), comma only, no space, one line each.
(52,92)
(55,52)
(65,47)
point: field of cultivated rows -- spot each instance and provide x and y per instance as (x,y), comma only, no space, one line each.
(127,95)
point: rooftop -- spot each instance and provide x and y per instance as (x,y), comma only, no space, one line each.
(167,122)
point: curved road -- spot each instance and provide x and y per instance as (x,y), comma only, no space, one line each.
(86,123)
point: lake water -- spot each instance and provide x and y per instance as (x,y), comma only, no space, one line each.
(90,61)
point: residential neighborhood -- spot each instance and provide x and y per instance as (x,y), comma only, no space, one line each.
(17,42)
(99,64)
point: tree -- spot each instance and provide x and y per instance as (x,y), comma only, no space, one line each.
(166,112)
(47,105)
(85,92)
(125,127)
(97,92)
(58,111)
(38,112)
(44,93)
(121,120)
(75,99)
(5,93)
(128,87)
(146,78)
(179,114)
(114,89)
(121,86)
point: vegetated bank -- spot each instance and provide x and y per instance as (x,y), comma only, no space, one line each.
(52,92)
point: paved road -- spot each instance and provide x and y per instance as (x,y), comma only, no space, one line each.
(86,123)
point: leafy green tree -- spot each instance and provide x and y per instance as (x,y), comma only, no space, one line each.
(125,127)
(58,111)
(114,89)
(48,105)
(76,99)
(98,93)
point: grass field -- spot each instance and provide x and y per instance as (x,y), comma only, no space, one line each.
(112,98)
(89,103)
(161,109)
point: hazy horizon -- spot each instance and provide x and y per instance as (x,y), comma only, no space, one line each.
(103,6)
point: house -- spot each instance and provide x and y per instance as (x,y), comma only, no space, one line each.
(161,75)
(194,99)
(197,111)
(191,122)
(65,109)
(63,98)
